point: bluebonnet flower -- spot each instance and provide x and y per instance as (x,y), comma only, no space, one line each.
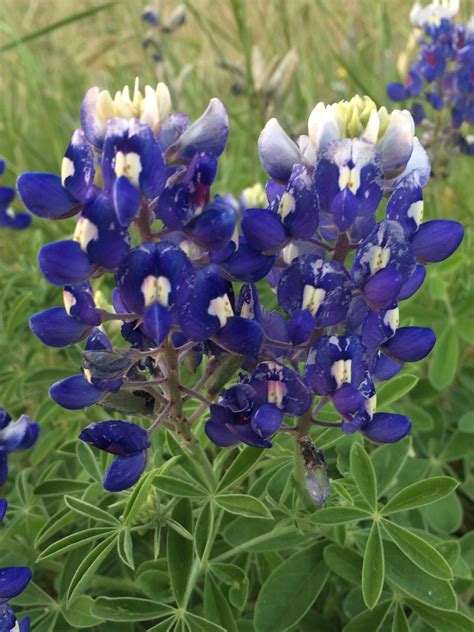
(443,72)
(174,290)
(128,442)
(13,581)
(8,217)
(252,412)
(14,435)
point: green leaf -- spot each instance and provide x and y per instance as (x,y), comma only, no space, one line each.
(418,551)
(388,460)
(203,528)
(400,622)
(369,620)
(89,566)
(373,568)
(421,493)
(216,606)
(138,498)
(125,548)
(363,473)
(60,487)
(243,505)
(289,591)
(78,614)
(406,576)
(180,550)
(236,578)
(344,562)
(460,444)
(90,511)
(178,487)
(74,541)
(155,583)
(164,626)
(444,362)
(241,466)
(441,620)
(446,515)
(88,461)
(75,17)
(129,609)
(396,388)
(199,624)
(339,515)
(56,523)
(466,423)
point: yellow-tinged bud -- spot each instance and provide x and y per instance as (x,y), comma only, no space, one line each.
(255,196)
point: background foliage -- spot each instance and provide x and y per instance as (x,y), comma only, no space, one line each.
(231,548)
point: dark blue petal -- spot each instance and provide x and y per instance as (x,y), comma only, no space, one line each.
(3,469)
(301,326)
(410,344)
(12,436)
(44,195)
(347,400)
(383,288)
(344,209)
(385,368)
(266,420)
(127,200)
(64,263)
(5,418)
(242,336)
(298,204)
(91,122)
(214,227)
(263,229)
(79,303)
(122,438)
(220,434)
(230,403)
(3,508)
(406,203)
(248,264)
(276,383)
(387,428)
(56,329)
(437,240)
(98,341)
(413,284)
(78,170)
(30,437)
(74,393)
(124,472)
(157,321)
(13,581)
(396,91)
(379,326)
(24,625)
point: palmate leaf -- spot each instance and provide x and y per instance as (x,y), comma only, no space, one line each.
(216,605)
(90,511)
(88,567)
(344,562)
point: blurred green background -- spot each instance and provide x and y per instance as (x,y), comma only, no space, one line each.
(343,47)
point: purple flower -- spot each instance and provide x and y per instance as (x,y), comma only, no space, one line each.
(8,218)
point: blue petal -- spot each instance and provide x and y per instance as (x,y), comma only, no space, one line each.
(302,218)
(64,263)
(156,323)
(267,420)
(383,288)
(124,472)
(44,195)
(207,134)
(56,329)
(347,400)
(242,336)
(31,435)
(13,581)
(263,229)
(248,264)
(271,377)
(81,155)
(437,240)
(385,368)
(74,393)
(405,204)
(413,284)
(80,304)
(300,327)
(248,435)
(3,508)
(410,344)
(15,221)
(91,122)
(12,436)
(122,438)
(396,91)
(344,209)
(220,434)
(3,469)
(387,428)
(214,227)
(126,199)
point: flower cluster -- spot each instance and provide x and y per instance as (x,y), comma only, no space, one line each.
(443,72)
(331,270)
(8,217)
(13,581)
(159,27)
